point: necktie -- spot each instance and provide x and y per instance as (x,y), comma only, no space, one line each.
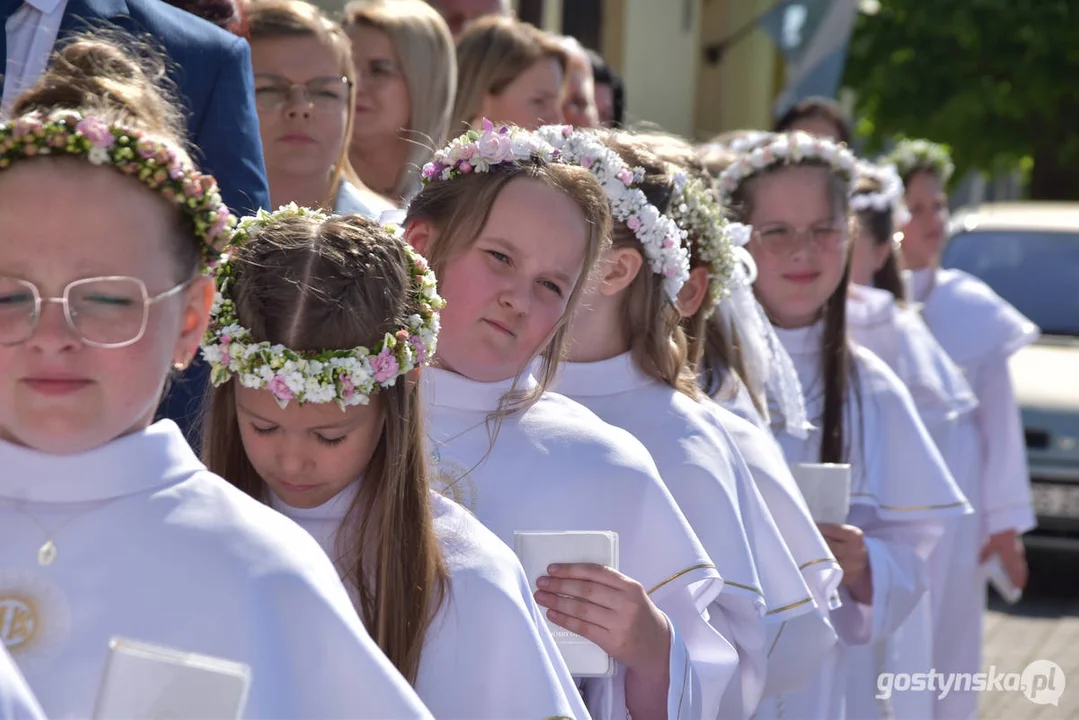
(7,9)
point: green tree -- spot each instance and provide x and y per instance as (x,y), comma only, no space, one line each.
(997,80)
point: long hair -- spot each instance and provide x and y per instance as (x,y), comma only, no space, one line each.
(459,209)
(334,285)
(268,19)
(837,364)
(649,319)
(425,50)
(491,53)
(880,224)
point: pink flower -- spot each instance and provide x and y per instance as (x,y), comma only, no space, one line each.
(465,167)
(97,131)
(279,388)
(421,263)
(495,148)
(176,171)
(467,152)
(488,126)
(146,148)
(419,348)
(226,339)
(587,161)
(26,125)
(384,365)
(347,388)
(625,176)
(226,359)
(668,242)
(634,223)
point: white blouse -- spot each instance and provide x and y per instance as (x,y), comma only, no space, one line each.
(151,546)
(488,652)
(555,466)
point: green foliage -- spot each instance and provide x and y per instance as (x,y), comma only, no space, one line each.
(997,80)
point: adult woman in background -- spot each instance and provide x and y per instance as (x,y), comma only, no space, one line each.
(406,78)
(508,72)
(305,86)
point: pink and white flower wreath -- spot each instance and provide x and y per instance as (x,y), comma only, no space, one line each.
(156,164)
(346,377)
(660,236)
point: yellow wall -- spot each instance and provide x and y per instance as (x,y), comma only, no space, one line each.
(660,53)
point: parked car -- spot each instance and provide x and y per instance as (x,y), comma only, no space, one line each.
(1028,252)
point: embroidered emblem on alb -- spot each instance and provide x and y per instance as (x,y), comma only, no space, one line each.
(659,235)
(346,377)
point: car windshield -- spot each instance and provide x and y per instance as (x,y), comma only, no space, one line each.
(1037,271)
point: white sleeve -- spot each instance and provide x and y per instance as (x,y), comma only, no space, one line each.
(16,700)
(897,560)
(795,649)
(1006,503)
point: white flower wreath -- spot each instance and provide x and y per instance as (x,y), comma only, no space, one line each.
(660,236)
(785,149)
(910,156)
(889,197)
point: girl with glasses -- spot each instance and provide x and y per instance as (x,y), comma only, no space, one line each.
(109,525)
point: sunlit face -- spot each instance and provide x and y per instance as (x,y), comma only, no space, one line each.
(794,283)
(62,221)
(459,13)
(534,98)
(505,294)
(383,106)
(604,95)
(867,256)
(579,104)
(923,236)
(308,453)
(303,131)
(818,127)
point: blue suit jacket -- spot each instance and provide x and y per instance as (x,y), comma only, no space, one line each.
(211,69)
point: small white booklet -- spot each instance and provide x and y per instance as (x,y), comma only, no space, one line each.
(145,681)
(538,550)
(998,578)
(826,489)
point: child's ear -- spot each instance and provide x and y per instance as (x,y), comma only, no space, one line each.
(694,292)
(419,234)
(620,267)
(198,299)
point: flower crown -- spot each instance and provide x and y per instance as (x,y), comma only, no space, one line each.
(748,141)
(785,149)
(910,156)
(888,198)
(154,163)
(695,209)
(478,152)
(660,236)
(347,377)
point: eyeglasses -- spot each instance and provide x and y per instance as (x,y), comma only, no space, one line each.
(782,239)
(105,312)
(324,93)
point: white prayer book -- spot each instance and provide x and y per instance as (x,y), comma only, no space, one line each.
(144,681)
(826,489)
(998,578)
(538,550)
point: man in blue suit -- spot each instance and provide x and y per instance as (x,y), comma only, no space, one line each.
(210,68)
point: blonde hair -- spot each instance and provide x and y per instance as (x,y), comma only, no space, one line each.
(657,343)
(424,47)
(335,284)
(269,19)
(491,53)
(459,209)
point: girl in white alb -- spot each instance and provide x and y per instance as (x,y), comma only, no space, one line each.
(980,332)
(793,189)
(610,348)
(514,233)
(880,320)
(109,525)
(324,423)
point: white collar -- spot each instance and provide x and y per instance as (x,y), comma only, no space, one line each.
(803,341)
(606,377)
(333,509)
(443,388)
(148,459)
